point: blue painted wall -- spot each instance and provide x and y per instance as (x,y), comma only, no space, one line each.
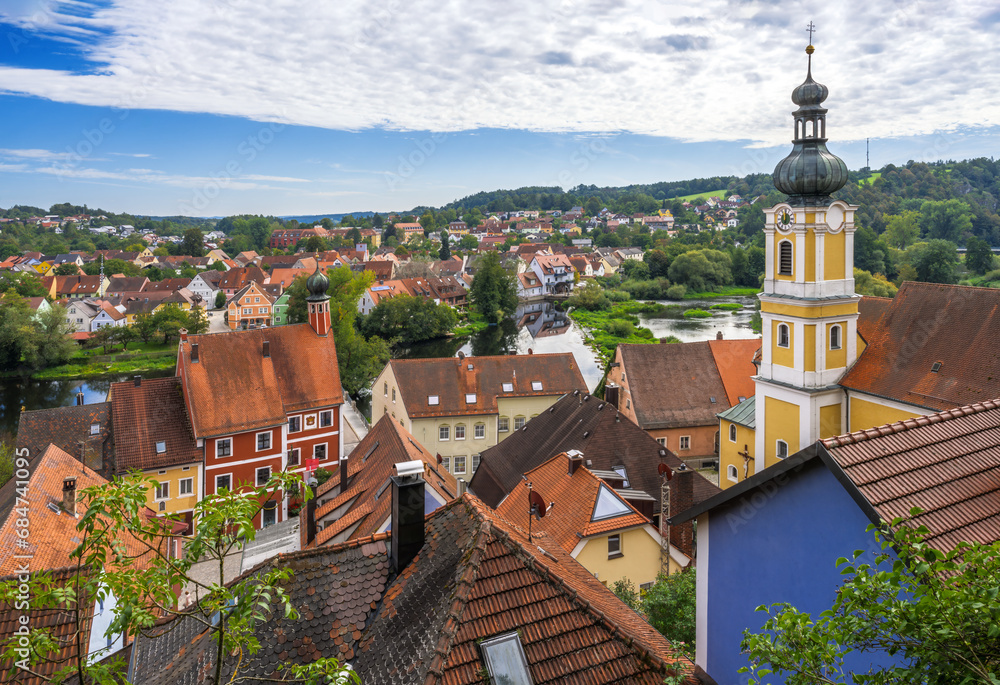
(778,544)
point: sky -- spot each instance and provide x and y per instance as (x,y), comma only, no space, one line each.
(218,107)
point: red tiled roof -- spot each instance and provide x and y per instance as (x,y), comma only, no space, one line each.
(871,311)
(145,415)
(927,325)
(734,359)
(451,379)
(575,497)
(234,388)
(369,467)
(948,464)
(238,277)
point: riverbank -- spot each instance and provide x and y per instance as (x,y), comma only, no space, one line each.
(607,328)
(728,291)
(89,363)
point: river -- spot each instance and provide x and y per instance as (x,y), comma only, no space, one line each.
(536,326)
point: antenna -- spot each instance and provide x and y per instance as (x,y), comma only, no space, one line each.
(868,159)
(666,474)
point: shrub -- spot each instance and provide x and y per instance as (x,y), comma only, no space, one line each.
(620,328)
(676,292)
(727,306)
(697,314)
(618,295)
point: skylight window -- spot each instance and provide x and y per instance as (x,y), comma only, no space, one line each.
(95,428)
(470,398)
(508,387)
(505,660)
(608,505)
(161,447)
(536,385)
(433,400)
(620,470)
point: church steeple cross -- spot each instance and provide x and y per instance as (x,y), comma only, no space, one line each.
(811,28)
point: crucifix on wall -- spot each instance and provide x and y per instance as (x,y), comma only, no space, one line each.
(746,460)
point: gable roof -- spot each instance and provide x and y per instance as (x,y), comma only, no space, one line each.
(578,421)
(734,360)
(477,576)
(369,467)
(300,373)
(65,427)
(451,379)
(147,414)
(124,284)
(691,373)
(947,463)
(236,278)
(576,498)
(929,323)
(744,413)
(871,311)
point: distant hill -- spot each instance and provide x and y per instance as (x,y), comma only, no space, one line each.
(335,218)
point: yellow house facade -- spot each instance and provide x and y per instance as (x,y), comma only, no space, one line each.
(178,488)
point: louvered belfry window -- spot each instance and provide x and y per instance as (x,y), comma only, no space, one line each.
(785,258)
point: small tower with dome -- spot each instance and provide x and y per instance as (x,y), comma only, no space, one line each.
(318,301)
(809,309)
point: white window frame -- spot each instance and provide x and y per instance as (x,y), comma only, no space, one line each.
(840,336)
(326,416)
(456,471)
(326,451)
(256,475)
(777,449)
(476,461)
(507,387)
(462,427)
(503,424)
(522,419)
(224,475)
(298,423)
(684,443)
(446,463)
(257,441)
(662,441)
(732,474)
(444,433)
(162,492)
(218,444)
(298,456)
(95,428)
(479,431)
(190,487)
(615,546)
(157,446)
(536,386)
(788,336)
(732,432)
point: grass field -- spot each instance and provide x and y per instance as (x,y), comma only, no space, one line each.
(708,193)
(870,179)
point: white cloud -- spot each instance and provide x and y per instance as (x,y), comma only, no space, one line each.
(713,70)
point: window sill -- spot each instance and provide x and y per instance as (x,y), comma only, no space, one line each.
(617,555)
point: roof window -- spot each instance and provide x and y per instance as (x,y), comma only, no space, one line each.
(536,385)
(470,398)
(505,660)
(95,428)
(608,505)
(161,447)
(936,367)
(433,400)
(508,387)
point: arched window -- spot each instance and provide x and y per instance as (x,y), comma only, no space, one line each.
(732,432)
(444,432)
(810,128)
(835,337)
(781,449)
(731,473)
(785,258)
(783,335)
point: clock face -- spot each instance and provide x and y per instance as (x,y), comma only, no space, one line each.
(784,218)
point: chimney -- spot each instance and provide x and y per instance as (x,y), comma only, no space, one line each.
(530,351)
(407,523)
(343,474)
(183,334)
(718,336)
(69,495)
(664,341)
(267,349)
(79,399)
(681,499)
(137,380)
(194,353)
(575,460)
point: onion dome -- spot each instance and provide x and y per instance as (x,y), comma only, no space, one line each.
(317,285)
(810,174)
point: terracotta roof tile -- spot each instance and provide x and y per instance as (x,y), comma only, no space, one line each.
(947,463)
(149,414)
(300,373)
(734,359)
(935,348)
(66,427)
(452,380)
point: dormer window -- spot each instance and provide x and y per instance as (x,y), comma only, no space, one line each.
(433,400)
(161,447)
(508,387)
(470,398)
(95,428)
(536,385)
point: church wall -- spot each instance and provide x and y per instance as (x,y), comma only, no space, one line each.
(778,237)
(836,359)
(729,454)
(783,356)
(868,413)
(830,421)
(810,241)
(834,247)
(810,347)
(782,423)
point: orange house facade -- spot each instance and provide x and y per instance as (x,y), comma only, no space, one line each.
(251,307)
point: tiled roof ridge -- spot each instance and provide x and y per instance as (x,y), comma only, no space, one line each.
(438,360)
(951,286)
(910,423)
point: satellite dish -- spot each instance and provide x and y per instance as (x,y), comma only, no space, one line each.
(439,459)
(537,504)
(665,470)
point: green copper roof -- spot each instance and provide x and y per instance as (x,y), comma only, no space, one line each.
(743,413)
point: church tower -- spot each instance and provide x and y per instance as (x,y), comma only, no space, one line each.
(809,309)
(318,301)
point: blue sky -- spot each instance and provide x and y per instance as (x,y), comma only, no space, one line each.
(214,107)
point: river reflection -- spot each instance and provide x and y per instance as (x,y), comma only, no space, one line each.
(734,325)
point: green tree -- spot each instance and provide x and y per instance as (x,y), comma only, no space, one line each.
(868,251)
(945,220)
(936,261)
(103,337)
(902,229)
(48,342)
(144,327)
(408,320)
(123,335)
(702,269)
(445,251)
(197,320)
(193,244)
(978,256)
(658,262)
(67,269)
(635,269)
(935,611)
(494,289)
(876,285)
(126,554)
(314,243)
(220,299)
(15,326)
(669,606)
(468,242)
(22,283)
(593,206)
